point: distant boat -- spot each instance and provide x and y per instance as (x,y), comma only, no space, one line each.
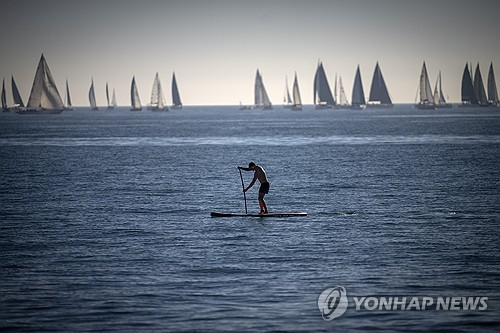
(134,97)
(261,99)
(110,106)
(379,95)
(44,97)
(287,99)
(492,88)
(343,102)
(176,98)
(358,95)
(439,100)
(93,104)
(18,101)
(114,104)
(157,103)
(469,97)
(297,101)
(426,100)
(4,98)
(482,99)
(323,98)
(69,105)
(245,107)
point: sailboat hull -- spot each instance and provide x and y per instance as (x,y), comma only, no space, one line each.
(296,107)
(39,111)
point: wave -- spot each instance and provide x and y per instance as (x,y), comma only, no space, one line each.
(252,141)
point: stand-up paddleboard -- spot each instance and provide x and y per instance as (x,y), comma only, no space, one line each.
(284,214)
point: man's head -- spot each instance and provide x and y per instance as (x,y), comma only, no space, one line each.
(251,165)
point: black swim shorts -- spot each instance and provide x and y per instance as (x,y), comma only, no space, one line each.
(264,188)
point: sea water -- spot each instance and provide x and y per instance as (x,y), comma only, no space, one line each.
(105,219)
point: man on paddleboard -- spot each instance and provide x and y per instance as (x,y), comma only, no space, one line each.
(259,174)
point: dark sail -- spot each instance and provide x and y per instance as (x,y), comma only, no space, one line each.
(18,101)
(378,90)
(322,93)
(176,98)
(479,87)
(468,94)
(358,95)
(492,87)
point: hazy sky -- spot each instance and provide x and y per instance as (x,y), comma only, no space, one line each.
(215,47)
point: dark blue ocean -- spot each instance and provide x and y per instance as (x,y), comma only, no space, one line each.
(105,219)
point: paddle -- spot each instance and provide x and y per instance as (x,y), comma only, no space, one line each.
(244,194)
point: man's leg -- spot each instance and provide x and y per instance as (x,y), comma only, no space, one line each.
(262,203)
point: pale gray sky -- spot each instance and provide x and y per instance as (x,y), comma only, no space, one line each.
(215,47)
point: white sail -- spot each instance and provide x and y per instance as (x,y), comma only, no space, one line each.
(44,94)
(113,99)
(342,96)
(157,95)
(296,93)
(134,97)
(426,95)
(286,98)
(18,101)
(261,98)
(92,101)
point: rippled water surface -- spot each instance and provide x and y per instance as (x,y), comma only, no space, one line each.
(105,219)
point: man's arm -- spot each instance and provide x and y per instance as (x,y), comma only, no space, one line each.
(251,184)
(244,169)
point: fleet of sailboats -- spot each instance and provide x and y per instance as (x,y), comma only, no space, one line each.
(473,90)
(44,96)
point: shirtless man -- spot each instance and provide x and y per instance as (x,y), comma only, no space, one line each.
(259,174)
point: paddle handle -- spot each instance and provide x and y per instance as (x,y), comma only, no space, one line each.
(244,194)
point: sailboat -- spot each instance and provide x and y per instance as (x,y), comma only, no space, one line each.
(93,104)
(379,95)
(482,99)
(297,101)
(4,98)
(134,97)
(492,88)
(358,95)
(439,100)
(110,106)
(44,97)
(287,100)
(18,101)
(69,105)
(426,100)
(157,103)
(261,99)
(323,98)
(469,97)
(342,96)
(114,104)
(176,98)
